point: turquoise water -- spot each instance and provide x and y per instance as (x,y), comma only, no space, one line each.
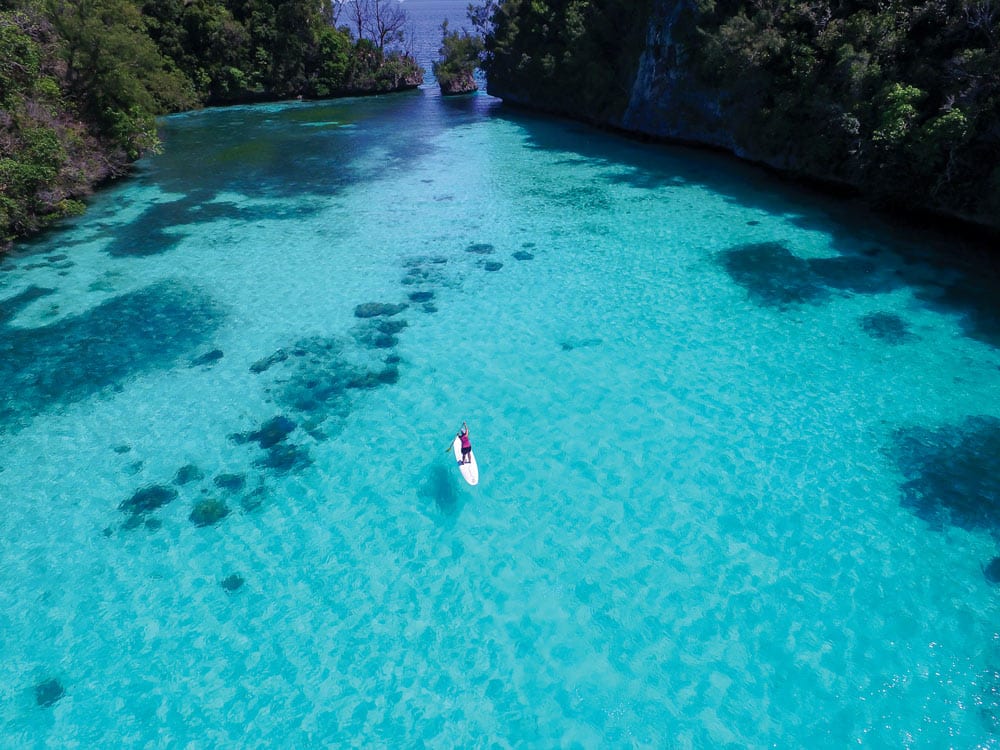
(737,450)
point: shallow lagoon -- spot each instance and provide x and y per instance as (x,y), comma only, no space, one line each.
(737,449)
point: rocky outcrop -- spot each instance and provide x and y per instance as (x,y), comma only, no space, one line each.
(463,83)
(666,100)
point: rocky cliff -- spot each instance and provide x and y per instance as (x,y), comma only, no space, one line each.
(666,100)
(900,103)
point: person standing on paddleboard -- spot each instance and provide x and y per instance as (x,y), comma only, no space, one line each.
(466,445)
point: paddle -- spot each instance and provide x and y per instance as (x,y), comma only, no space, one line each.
(452,441)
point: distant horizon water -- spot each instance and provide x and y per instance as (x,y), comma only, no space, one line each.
(425,17)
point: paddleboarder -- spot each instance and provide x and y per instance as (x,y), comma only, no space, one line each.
(463,435)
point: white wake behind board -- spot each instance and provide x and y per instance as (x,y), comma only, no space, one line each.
(470,470)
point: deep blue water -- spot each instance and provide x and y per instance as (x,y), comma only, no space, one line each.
(737,446)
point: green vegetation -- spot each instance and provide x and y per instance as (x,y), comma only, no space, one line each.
(82,81)
(459,57)
(899,98)
(576,56)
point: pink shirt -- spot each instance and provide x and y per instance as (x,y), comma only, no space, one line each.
(464,436)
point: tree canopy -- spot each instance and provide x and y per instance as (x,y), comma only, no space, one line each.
(900,98)
(458,59)
(82,81)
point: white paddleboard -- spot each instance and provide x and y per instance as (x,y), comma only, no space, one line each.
(470,470)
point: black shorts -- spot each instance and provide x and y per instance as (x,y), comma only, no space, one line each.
(466,451)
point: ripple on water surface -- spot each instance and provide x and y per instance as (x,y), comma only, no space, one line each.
(737,453)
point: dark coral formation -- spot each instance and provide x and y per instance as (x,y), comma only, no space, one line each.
(381,334)
(391,327)
(775,277)
(78,356)
(424,270)
(570,344)
(480,248)
(951,475)
(187,474)
(47,692)
(285,457)
(148,499)
(772,274)
(992,570)
(208,358)
(377,309)
(263,365)
(230,482)
(320,381)
(270,433)
(10,307)
(886,327)
(208,512)
(232,582)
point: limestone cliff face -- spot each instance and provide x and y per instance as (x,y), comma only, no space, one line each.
(665,100)
(669,101)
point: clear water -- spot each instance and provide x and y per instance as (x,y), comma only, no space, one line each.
(737,450)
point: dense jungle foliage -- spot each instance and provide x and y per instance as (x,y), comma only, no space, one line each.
(899,98)
(574,56)
(82,81)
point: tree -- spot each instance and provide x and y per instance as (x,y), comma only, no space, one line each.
(383,22)
(115,70)
(459,56)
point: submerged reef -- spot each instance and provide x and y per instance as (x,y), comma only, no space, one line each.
(775,277)
(230,482)
(161,226)
(263,365)
(391,327)
(284,458)
(270,433)
(886,327)
(10,307)
(951,475)
(47,692)
(188,473)
(992,570)
(376,309)
(570,344)
(148,499)
(208,358)
(208,512)
(772,275)
(480,248)
(76,357)
(319,379)
(424,270)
